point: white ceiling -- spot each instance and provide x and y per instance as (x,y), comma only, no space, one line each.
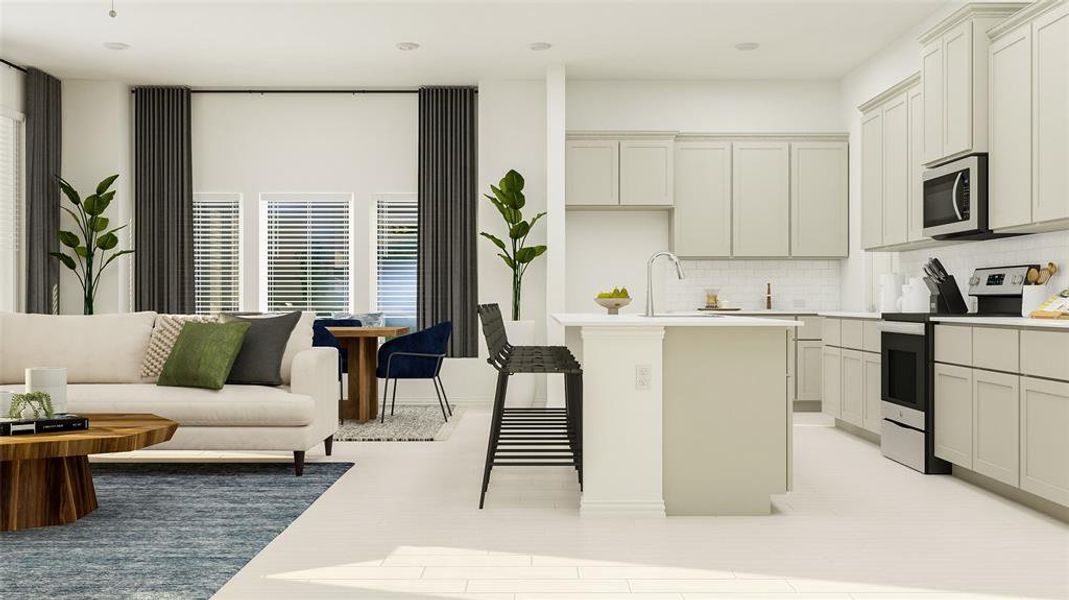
(339,44)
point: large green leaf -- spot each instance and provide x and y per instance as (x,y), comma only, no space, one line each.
(81,251)
(497,241)
(511,217)
(536,218)
(108,196)
(105,184)
(512,181)
(68,191)
(113,257)
(98,224)
(107,241)
(508,261)
(66,260)
(95,205)
(526,255)
(69,239)
(519,230)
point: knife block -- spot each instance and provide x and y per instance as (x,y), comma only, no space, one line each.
(946,298)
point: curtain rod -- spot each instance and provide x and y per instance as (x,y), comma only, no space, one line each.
(275,91)
(13,65)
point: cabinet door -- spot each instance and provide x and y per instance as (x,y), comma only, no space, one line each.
(819,199)
(1050,117)
(646,172)
(1010,116)
(958,75)
(895,171)
(1045,439)
(996,430)
(872,180)
(853,388)
(792,367)
(916,162)
(701,219)
(808,369)
(592,173)
(932,85)
(953,414)
(871,377)
(760,198)
(831,381)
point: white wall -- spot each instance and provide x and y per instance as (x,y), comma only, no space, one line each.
(97,142)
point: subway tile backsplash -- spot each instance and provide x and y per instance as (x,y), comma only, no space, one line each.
(809,285)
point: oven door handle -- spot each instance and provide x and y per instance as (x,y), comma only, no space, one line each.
(954,196)
(900,327)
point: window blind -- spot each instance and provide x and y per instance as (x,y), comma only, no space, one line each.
(397,228)
(307,253)
(217,252)
(10,209)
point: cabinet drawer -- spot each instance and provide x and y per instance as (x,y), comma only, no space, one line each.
(994,348)
(811,328)
(953,344)
(1045,354)
(852,335)
(832,332)
(871,336)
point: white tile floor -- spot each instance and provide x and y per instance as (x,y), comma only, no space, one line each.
(404,524)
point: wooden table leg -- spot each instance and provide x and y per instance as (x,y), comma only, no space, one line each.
(367,401)
(45,491)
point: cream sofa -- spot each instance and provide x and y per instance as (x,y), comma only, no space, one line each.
(103,355)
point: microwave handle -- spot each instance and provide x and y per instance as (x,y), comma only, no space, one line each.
(954,196)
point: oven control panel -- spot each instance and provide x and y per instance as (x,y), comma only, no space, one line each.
(999,281)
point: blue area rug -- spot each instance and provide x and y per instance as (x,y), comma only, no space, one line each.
(161,530)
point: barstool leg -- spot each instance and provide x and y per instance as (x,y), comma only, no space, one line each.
(495,431)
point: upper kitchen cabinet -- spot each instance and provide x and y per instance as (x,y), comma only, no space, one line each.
(819,198)
(701,221)
(760,199)
(603,170)
(954,80)
(872,178)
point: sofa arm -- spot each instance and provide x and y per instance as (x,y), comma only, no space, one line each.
(315,374)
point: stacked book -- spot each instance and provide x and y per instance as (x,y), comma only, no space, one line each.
(55,424)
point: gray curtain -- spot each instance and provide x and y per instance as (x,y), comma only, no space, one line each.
(448,228)
(43,152)
(163,200)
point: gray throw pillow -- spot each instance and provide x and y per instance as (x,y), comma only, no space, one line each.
(260,360)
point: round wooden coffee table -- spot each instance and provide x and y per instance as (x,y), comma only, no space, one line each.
(45,478)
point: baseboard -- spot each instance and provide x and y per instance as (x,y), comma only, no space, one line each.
(611,508)
(806,406)
(860,432)
(1036,503)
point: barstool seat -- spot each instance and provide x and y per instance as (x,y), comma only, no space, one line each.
(531,436)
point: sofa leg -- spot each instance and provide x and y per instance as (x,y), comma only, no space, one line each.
(298,462)
(328,444)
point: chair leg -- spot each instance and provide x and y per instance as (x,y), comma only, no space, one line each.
(441,405)
(447,406)
(495,431)
(328,444)
(298,462)
(393,403)
(385,389)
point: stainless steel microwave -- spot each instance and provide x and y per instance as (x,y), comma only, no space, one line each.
(955,199)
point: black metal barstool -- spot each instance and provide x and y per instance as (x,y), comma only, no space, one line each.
(531,437)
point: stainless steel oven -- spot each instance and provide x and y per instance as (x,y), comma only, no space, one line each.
(955,199)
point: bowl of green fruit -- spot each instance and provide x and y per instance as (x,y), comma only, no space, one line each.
(614,300)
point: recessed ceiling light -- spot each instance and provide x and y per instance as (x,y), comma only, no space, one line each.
(116,45)
(540,46)
(747,46)
(407,46)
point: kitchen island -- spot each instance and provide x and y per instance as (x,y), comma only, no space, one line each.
(683,414)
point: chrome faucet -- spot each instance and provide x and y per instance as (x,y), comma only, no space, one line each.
(649,277)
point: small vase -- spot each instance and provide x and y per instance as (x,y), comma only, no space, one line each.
(52,381)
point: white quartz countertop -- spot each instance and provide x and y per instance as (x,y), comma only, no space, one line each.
(681,319)
(851,315)
(763,311)
(1007,322)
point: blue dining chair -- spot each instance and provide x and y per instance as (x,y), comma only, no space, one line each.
(416,356)
(325,339)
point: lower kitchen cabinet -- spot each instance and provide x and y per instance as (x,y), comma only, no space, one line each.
(853,385)
(1045,438)
(996,430)
(807,369)
(831,381)
(871,375)
(953,414)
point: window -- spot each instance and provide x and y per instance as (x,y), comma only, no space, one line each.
(10,211)
(217,252)
(306,260)
(397,229)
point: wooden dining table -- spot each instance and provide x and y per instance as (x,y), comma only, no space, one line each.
(362,345)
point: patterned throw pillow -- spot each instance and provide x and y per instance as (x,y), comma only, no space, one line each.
(164,334)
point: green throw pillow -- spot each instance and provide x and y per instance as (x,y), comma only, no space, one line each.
(203,355)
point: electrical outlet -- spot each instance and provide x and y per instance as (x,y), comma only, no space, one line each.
(642,377)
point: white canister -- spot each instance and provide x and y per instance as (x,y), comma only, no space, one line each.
(5,403)
(1032,296)
(52,381)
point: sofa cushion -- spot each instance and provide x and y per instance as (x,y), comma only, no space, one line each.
(232,406)
(203,355)
(94,349)
(164,335)
(260,359)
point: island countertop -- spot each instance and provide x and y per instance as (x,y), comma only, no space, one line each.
(682,319)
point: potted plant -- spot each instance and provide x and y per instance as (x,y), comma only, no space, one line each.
(93,241)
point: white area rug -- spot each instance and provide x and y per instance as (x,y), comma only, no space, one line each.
(408,424)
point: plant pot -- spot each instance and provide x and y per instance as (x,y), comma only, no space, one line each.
(521,391)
